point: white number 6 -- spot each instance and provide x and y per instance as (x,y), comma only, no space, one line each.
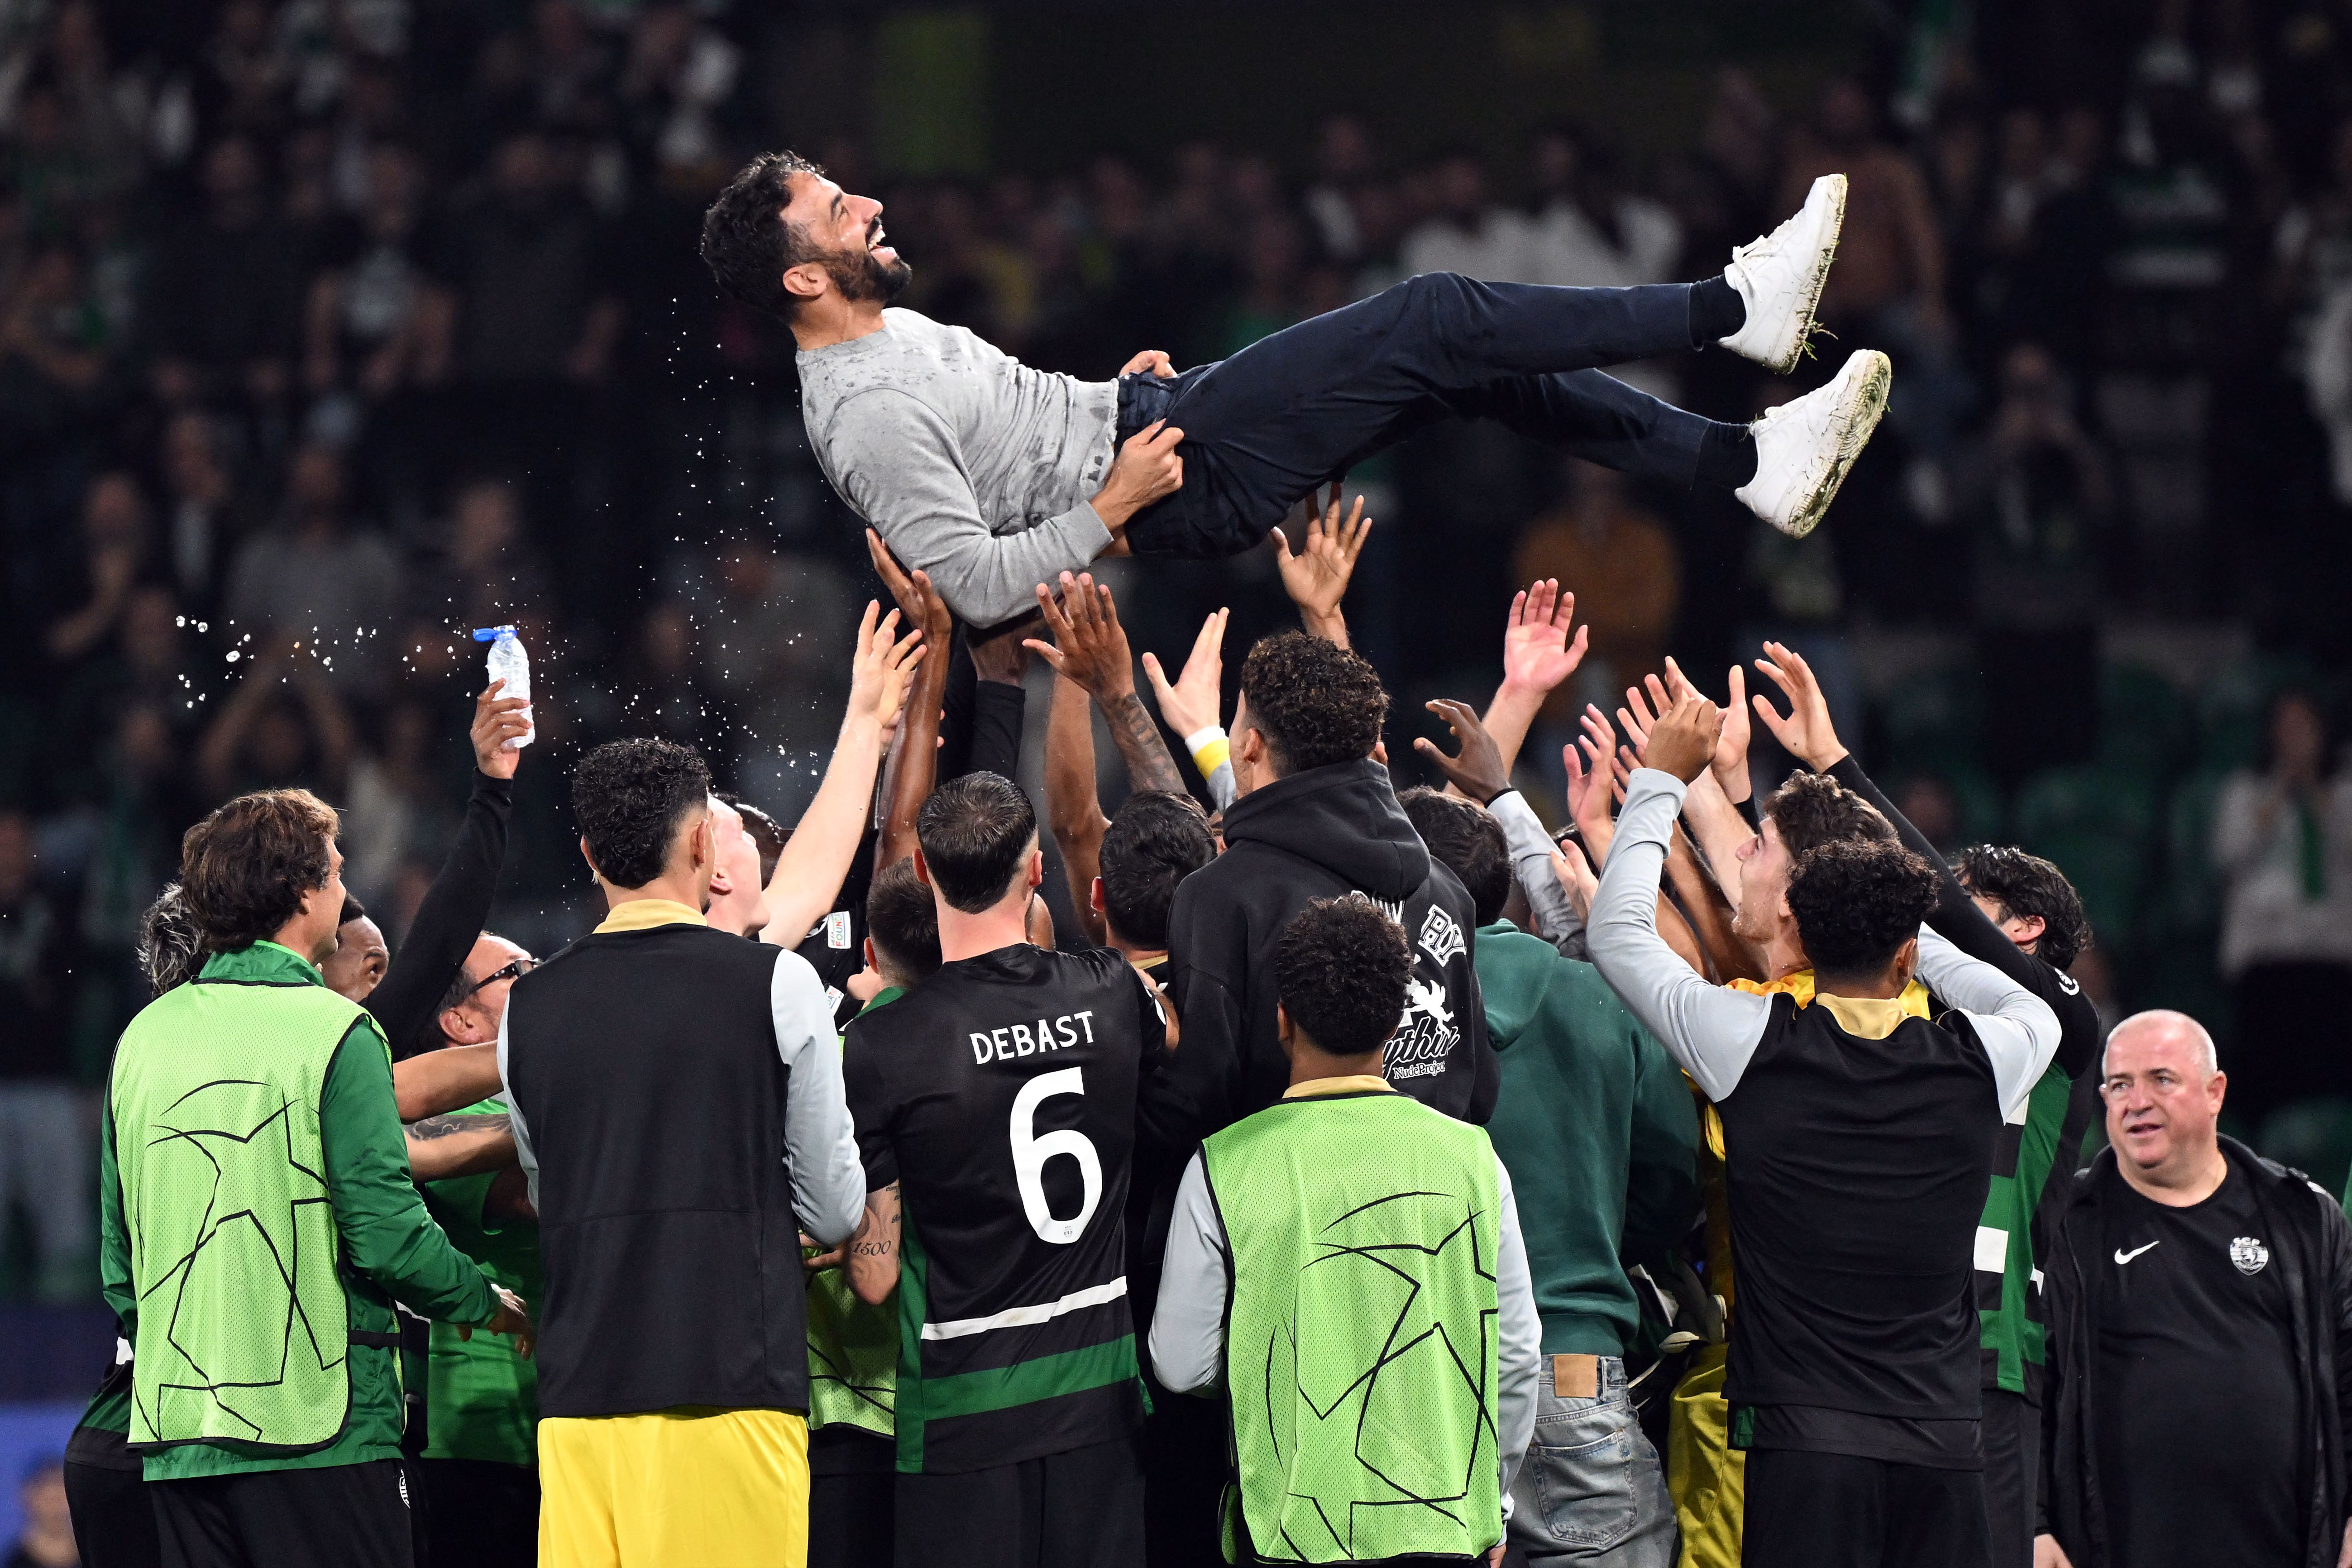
(1030,1153)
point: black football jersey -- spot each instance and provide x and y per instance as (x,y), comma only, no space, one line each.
(1000,1095)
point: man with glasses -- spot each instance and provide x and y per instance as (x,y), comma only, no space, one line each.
(481,1468)
(2200,1322)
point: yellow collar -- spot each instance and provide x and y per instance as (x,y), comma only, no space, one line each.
(1864,1017)
(1354,1083)
(644,914)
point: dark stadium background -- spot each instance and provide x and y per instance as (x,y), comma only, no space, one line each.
(2099,535)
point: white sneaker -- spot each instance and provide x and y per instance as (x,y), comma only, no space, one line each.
(1804,448)
(1780,278)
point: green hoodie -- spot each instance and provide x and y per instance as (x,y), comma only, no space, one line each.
(1598,1130)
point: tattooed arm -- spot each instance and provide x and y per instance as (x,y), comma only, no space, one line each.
(873,1260)
(440,1147)
(1089,647)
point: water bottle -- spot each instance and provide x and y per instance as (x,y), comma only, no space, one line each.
(511,664)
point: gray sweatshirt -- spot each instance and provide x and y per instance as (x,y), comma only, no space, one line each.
(974,467)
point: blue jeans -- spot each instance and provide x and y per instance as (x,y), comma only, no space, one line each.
(1293,410)
(1591,1489)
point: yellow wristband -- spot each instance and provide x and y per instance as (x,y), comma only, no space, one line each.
(1213,755)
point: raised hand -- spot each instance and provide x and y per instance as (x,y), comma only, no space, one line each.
(1538,654)
(1638,719)
(916,599)
(1730,763)
(1683,742)
(1807,731)
(881,668)
(1477,771)
(1317,577)
(1574,874)
(1191,705)
(496,720)
(1089,646)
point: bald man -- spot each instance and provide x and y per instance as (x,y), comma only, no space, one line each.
(2201,1326)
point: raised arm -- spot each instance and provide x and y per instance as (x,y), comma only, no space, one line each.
(1317,577)
(1537,656)
(2017,1028)
(914,759)
(1073,807)
(1191,706)
(1709,1031)
(809,873)
(451,915)
(1089,647)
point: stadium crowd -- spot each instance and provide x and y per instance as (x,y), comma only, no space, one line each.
(327,334)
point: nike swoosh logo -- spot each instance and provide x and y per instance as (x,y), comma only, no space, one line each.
(2122,1256)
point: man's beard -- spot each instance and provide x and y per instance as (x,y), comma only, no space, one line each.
(859,275)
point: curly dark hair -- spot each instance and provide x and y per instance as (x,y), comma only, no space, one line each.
(765,831)
(245,869)
(1857,901)
(1156,840)
(1314,702)
(903,922)
(975,832)
(628,797)
(170,949)
(746,242)
(1467,841)
(1341,967)
(2024,884)
(1813,809)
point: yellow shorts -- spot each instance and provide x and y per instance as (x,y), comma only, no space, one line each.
(708,1487)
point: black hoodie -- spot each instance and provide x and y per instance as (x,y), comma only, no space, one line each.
(1325,833)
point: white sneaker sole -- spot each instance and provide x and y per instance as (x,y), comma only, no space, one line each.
(1782,354)
(1859,409)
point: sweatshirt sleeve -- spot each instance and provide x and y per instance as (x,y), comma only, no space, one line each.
(2017,1028)
(1710,1031)
(1518,1336)
(896,461)
(1188,1324)
(828,1178)
(1662,1177)
(1531,851)
(387,1235)
(1195,1093)
(449,919)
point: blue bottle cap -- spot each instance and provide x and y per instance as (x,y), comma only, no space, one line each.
(492,634)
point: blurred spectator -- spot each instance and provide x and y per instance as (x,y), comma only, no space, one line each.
(488,573)
(1271,295)
(682,72)
(2038,492)
(315,581)
(1467,233)
(283,726)
(395,813)
(204,515)
(529,267)
(2281,840)
(1589,229)
(144,669)
(1344,169)
(44,1150)
(46,1539)
(224,297)
(664,696)
(1931,806)
(2315,244)
(377,320)
(1620,562)
(114,548)
(55,346)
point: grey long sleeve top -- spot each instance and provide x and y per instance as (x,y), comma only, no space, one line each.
(1712,1031)
(972,467)
(1531,851)
(820,1143)
(1188,1327)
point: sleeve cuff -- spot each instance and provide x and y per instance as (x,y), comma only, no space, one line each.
(1211,749)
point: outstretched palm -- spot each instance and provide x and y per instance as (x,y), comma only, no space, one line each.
(1537,652)
(1317,577)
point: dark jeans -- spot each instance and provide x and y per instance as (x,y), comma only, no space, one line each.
(1298,408)
(1831,1510)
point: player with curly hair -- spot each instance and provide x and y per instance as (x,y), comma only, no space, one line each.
(1856,1133)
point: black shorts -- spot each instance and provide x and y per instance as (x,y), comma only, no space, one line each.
(354,1516)
(484,1514)
(852,1482)
(1833,1510)
(1081,1508)
(113,1522)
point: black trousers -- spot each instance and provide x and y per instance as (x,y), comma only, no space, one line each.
(484,1515)
(1830,1510)
(113,1522)
(1081,1509)
(1293,410)
(2012,1460)
(353,1516)
(853,1488)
